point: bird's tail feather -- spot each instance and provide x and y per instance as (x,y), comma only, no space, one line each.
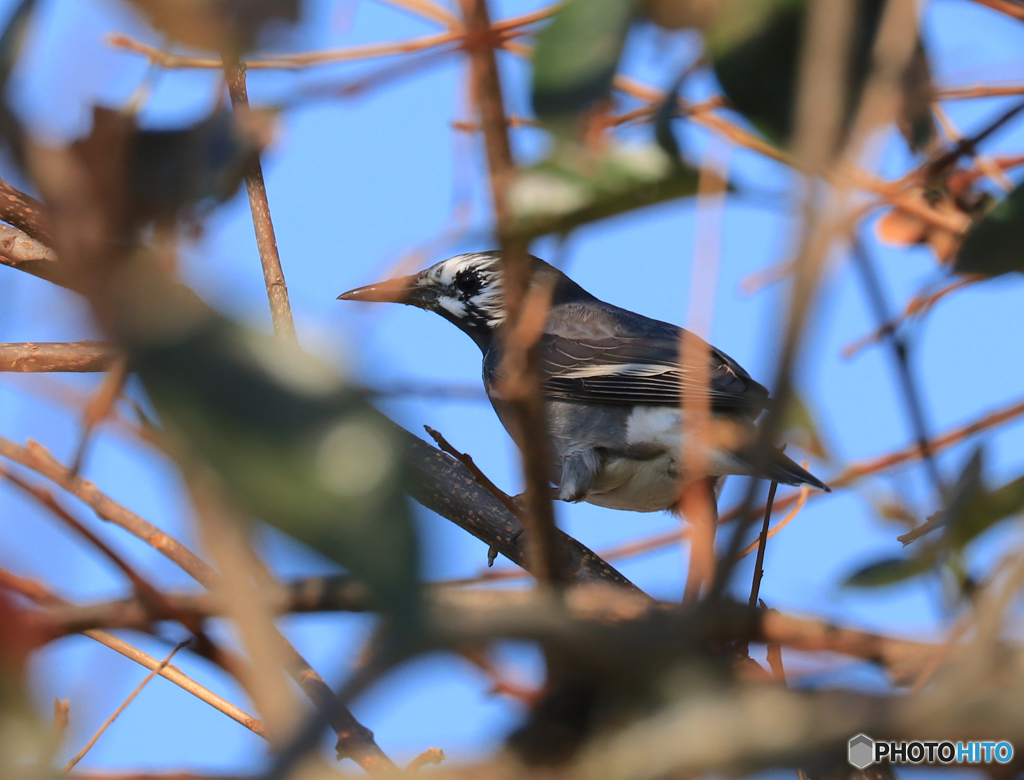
(784,470)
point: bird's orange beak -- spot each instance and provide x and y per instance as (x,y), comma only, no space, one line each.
(404,289)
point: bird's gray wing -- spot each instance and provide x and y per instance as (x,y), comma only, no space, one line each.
(622,358)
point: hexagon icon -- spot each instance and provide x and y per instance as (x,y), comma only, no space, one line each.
(861,751)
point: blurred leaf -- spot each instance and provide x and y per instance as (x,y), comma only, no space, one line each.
(575,186)
(218,25)
(973,510)
(996,244)
(145,175)
(896,511)
(11,44)
(175,169)
(799,427)
(294,446)
(756,53)
(577,55)
(889,571)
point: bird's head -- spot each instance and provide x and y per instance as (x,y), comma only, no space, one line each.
(465,289)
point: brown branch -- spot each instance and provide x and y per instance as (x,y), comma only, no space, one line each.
(266,241)
(148,595)
(25,213)
(1004,6)
(526,406)
(505,30)
(55,356)
(508,612)
(444,485)
(312,594)
(36,592)
(484,481)
(970,92)
(917,306)
(428,756)
(353,737)
(288,62)
(124,705)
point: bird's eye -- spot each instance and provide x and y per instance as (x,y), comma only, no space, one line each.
(467,282)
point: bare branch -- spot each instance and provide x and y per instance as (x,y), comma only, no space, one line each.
(39,594)
(266,240)
(54,356)
(131,697)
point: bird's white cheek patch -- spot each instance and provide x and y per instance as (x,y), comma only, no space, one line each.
(454,305)
(654,425)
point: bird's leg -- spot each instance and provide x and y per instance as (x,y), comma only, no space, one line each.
(699,504)
(579,469)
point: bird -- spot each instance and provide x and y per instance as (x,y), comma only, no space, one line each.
(612,384)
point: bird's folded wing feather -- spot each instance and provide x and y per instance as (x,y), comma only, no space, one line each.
(624,368)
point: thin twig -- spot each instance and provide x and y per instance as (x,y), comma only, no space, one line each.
(100,404)
(39,594)
(357,738)
(801,500)
(762,543)
(266,241)
(148,594)
(917,306)
(467,461)
(505,30)
(428,756)
(908,384)
(131,697)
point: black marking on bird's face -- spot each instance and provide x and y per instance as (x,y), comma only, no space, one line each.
(467,290)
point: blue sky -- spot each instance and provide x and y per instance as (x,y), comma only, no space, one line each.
(355,184)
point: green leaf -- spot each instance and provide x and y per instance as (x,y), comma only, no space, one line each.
(984,511)
(889,571)
(577,55)
(294,446)
(756,55)
(574,187)
(996,244)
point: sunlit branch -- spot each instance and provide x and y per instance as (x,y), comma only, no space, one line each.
(47,357)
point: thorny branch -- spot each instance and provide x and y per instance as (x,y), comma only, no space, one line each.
(911,392)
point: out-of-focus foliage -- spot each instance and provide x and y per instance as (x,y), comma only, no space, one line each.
(164,175)
(996,245)
(218,25)
(756,56)
(294,445)
(576,58)
(575,186)
(10,47)
(800,428)
(21,738)
(971,511)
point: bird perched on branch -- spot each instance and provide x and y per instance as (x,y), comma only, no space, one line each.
(613,383)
